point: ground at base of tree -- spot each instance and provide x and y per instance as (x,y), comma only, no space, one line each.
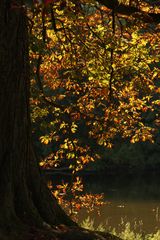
(59,233)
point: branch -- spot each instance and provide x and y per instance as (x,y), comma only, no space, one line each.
(131,10)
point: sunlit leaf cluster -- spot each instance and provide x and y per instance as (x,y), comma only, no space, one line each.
(97,78)
(72,198)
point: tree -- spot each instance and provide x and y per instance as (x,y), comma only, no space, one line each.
(26,205)
(24,196)
(25,201)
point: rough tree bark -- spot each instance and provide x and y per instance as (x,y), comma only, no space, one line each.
(23,194)
(25,201)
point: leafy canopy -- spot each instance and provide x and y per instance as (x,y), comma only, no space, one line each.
(95,78)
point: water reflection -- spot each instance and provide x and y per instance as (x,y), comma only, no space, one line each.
(125,186)
(130,198)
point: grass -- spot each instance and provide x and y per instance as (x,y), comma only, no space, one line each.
(126,233)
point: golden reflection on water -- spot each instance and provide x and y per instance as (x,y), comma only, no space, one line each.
(131,199)
(143,216)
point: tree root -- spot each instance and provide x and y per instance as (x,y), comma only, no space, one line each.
(60,232)
(77,233)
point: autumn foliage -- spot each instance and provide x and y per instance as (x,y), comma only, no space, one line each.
(95,77)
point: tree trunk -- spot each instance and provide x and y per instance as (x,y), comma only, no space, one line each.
(24,196)
(25,200)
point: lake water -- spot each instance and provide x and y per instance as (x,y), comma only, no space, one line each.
(129,198)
